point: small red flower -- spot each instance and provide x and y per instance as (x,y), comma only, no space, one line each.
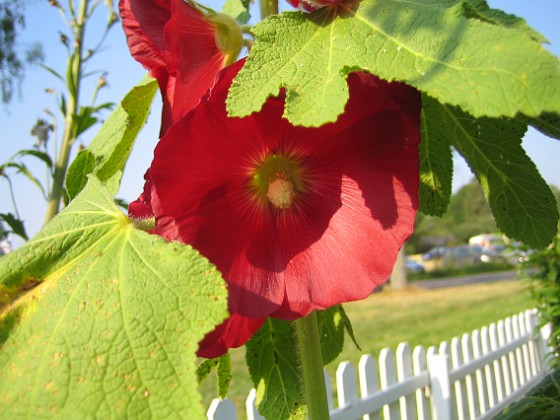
(181,47)
(295,218)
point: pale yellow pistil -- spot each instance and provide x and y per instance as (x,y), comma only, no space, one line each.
(281,192)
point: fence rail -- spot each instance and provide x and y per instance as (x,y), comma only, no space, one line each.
(472,377)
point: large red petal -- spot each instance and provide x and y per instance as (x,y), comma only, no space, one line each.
(192,42)
(143,23)
(232,333)
(338,241)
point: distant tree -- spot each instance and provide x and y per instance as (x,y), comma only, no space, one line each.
(468,215)
(12,59)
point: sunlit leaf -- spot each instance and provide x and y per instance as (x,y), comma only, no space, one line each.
(101,318)
(113,143)
(483,67)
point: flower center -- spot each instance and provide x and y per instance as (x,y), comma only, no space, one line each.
(281,192)
(277,180)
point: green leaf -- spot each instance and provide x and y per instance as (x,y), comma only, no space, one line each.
(436,162)
(84,119)
(547,123)
(348,327)
(521,201)
(104,319)
(16,225)
(484,68)
(224,375)
(62,104)
(480,10)
(22,169)
(113,143)
(76,179)
(52,71)
(205,368)
(237,9)
(38,154)
(70,82)
(331,333)
(273,364)
(223,372)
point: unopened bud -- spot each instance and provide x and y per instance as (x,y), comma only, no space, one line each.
(102,82)
(63,38)
(113,18)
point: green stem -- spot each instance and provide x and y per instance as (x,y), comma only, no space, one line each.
(268,8)
(71,110)
(312,367)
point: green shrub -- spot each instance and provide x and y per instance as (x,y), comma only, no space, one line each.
(545,286)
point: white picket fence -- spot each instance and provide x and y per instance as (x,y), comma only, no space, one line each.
(473,377)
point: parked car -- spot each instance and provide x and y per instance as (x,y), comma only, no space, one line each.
(413,266)
(454,256)
(434,253)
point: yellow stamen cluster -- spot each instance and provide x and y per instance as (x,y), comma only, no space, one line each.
(277,180)
(281,192)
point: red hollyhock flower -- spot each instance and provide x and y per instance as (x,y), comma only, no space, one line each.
(295,218)
(181,47)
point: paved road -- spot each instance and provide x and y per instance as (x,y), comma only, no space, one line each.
(467,279)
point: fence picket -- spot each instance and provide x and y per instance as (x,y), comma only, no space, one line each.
(512,357)
(525,347)
(388,377)
(472,378)
(251,406)
(518,352)
(221,410)
(488,369)
(404,371)
(369,383)
(346,384)
(470,383)
(419,365)
(506,371)
(481,386)
(438,366)
(532,322)
(460,386)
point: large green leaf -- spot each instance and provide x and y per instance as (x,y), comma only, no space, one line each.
(547,123)
(436,162)
(485,68)
(480,10)
(102,319)
(332,323)
(331,327)
(273,364)
(108,152)
(520,200)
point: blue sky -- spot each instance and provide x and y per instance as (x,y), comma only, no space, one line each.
(43,24)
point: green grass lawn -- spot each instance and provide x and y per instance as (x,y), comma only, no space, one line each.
(420,317)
